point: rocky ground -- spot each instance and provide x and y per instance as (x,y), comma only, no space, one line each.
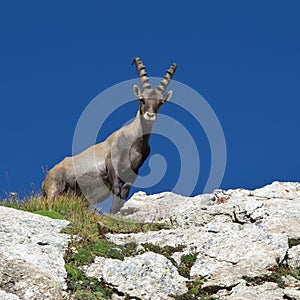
(31,256)
(241,244)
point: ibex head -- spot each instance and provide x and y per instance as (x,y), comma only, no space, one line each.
(151,99)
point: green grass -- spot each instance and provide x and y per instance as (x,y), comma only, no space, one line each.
(50,214)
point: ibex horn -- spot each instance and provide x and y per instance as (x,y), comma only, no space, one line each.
(166,80)
(142,73)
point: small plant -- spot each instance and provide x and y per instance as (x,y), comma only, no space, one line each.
(293,242)
(284,271)
(195,291)
(277,272)
(187,261)
(166,251)
(255,280)
(86,288)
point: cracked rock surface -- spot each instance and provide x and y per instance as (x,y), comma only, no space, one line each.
(146,276)
(31,256)
(240,238)
(236,233)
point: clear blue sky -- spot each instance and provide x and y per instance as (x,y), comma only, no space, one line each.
(243,57)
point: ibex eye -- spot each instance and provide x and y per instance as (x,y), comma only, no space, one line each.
(142,101)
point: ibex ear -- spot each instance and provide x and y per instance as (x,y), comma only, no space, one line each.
(136,91)
(168,96)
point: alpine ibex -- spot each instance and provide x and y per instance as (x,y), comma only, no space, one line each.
(112,166)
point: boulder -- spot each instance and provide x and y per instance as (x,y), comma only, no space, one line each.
(146,276)
(31,256)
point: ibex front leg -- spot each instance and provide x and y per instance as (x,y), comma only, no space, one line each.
(116,190)
(124,193)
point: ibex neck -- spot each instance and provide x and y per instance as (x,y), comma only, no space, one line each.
(142,128)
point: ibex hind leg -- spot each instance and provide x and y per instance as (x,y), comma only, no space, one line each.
(54,186)
(56,189)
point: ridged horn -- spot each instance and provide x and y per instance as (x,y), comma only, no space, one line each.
(142,73)
(167,78)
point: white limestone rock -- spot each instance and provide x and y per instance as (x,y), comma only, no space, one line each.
(8,296)
(28,281)
(167,207)
(225,257)
(268,290)
(293,294)
(291,282)
(147,276)
(31,254)
(236,232)
(279,190)
(293,258)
